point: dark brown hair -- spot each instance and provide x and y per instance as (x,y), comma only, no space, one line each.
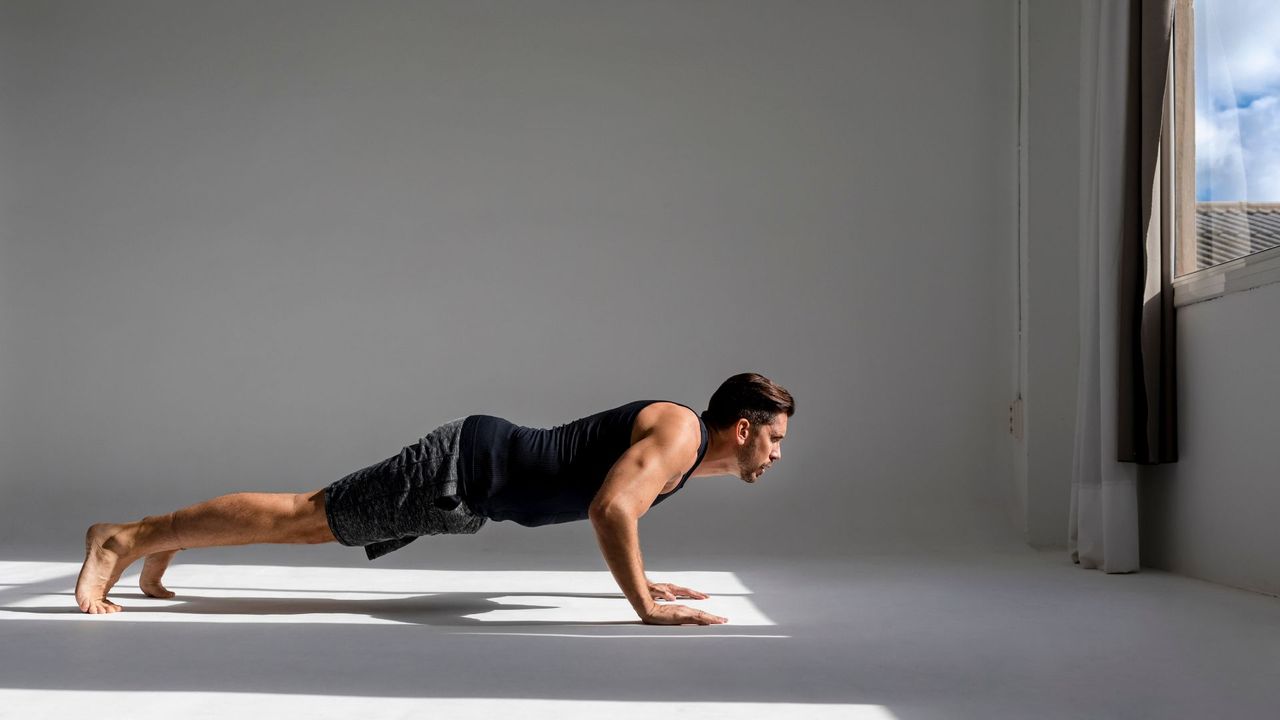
(747,395)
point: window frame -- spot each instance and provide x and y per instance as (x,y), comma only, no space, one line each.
(1243,273)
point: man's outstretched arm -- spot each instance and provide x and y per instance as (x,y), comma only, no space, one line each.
(628,491)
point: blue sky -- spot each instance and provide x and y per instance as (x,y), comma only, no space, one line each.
(1237,100)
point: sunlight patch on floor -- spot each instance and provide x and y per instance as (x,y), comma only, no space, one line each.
(285,594)
(167,705)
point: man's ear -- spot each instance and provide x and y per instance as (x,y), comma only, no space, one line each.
(742,430)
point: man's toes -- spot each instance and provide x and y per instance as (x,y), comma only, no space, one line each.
(152,570)
(156,590)
(101,607)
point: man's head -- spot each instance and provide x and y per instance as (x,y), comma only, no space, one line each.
(752,411)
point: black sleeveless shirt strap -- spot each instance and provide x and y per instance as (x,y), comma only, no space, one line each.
(702,453)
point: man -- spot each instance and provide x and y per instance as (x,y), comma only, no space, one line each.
(610,468)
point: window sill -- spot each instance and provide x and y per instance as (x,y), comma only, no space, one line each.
(1246,273)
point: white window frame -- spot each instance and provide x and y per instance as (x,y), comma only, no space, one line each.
(1244,273)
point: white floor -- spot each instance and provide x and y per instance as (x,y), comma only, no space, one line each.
(1013,634)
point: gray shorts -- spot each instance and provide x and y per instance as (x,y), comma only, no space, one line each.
(387,505)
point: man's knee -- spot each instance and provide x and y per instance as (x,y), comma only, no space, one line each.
(311,522)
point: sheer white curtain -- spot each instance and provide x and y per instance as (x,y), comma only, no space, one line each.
(1103,530)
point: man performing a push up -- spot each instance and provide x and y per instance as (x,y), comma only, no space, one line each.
(610,467)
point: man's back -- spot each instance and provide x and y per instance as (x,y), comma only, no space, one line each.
(535,476)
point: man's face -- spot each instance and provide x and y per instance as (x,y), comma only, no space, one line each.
(763,447)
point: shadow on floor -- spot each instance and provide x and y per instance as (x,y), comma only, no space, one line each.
(441,609)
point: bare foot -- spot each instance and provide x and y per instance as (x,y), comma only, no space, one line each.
(102,567)
(152,570)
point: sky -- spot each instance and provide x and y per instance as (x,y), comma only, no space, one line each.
(1237,54)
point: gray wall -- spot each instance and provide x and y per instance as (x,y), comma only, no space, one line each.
(1051,335)
(1212,515)
(254,245)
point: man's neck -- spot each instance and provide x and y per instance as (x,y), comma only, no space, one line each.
(720,458)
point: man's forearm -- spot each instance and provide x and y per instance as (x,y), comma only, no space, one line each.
(619,538)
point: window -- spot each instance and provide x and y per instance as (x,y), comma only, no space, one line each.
(1226,140)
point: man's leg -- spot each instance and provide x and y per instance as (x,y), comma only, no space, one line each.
(236,519)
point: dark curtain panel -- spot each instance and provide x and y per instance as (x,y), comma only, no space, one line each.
(1148,391)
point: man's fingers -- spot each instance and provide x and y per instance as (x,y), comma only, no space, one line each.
(687,592)
(680,615)
(667,591)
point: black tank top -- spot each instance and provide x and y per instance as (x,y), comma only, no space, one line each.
(536,477)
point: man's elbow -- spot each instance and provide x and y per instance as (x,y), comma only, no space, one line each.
(610,513)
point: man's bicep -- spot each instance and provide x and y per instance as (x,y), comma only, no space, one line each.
(638,476)
(634,480)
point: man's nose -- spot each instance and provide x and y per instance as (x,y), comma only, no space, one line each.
(776,455)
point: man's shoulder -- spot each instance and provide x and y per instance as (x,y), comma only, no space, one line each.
(667,414)
(674,424)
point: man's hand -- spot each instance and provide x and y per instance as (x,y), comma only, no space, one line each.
(679,615)
(667,591)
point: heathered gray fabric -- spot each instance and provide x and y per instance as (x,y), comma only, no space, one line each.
(387,505)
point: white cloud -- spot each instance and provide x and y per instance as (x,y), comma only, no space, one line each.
(1243,42)
(1238,152)
(1238,99)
